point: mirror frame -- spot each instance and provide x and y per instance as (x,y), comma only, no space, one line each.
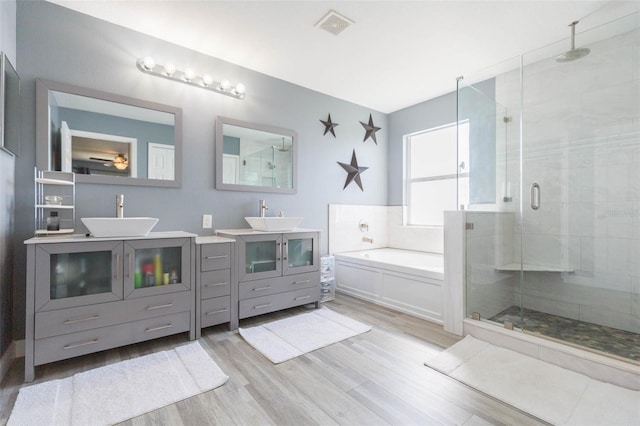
(220,122)
(42,133)
(12,147)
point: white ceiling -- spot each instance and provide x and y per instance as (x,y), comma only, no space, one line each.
(396,54)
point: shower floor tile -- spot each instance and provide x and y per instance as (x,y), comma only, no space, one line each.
(593,336)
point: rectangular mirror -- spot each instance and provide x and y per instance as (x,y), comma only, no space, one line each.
(107,138)
(255,157)
(9,107)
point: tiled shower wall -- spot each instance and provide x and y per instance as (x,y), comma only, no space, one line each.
(581,132)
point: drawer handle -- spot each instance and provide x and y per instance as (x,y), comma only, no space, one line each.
(73,321)
(302,298)
(216,257)
(215,284)
(302,282)
(161,327)
(261,288)
(151,308)
(266,305)
(78,345)
(217,312)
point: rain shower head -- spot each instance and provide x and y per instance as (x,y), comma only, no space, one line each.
(573,54)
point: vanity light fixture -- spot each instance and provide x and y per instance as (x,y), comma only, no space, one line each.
(148,65)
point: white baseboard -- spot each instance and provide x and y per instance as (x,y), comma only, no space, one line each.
(15,350)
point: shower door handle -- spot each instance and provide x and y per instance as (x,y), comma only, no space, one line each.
(535,196)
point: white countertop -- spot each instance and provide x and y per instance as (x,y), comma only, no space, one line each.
(249,231)
(213,239)
(75,238)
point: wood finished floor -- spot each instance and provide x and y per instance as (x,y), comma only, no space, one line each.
(375,378)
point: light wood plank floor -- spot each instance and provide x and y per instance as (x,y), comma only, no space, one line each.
(372,379)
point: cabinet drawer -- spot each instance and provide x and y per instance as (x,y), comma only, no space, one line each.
(215,283)
(251,289)
(84,342)
(215,256)
(63,321)
(275,302)
(216,311)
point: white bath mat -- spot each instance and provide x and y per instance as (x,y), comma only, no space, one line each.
(120,391)
(549,392)
(288,338)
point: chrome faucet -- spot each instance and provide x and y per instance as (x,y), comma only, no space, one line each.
(263,208)
(120,205)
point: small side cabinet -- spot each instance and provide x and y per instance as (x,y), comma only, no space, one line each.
(216,294)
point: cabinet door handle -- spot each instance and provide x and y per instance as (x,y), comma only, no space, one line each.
(301,282)
(78,345)
(261,288)
(266,305)
(117,266)
(535,196)
(216,257)
(73,321)
(130,268)
(151,308)
(215,284)
(285,256)
(161,327)
(302,298)
(219,311)
(279,251)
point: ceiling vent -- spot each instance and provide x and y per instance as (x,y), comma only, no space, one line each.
(334,22)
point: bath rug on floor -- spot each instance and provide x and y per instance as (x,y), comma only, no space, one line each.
(291,337)
(549,392)
(119,391)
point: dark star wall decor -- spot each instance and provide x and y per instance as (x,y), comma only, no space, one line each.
(353,171)
(370,130)
(329,126)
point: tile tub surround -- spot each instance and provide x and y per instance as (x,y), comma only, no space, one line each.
(386,228)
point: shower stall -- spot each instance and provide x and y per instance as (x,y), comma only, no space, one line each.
(552,235)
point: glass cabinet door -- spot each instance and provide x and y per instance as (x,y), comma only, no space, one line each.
(260,257)
(157,266)
(78,274)
(300,253)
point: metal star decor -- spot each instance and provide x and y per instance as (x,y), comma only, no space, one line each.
(329,126)
(370,130)
(353,171)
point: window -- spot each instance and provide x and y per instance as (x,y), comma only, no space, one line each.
(433,161)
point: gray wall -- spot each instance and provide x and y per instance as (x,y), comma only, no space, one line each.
(7,191)
(58,44)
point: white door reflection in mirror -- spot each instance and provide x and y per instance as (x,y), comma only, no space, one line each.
(161,161)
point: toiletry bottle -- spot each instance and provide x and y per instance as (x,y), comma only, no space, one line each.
(149,278)
(53,222)
(157,268)
(173,278)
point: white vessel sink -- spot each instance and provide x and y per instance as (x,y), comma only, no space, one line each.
(273,223)
(119,226)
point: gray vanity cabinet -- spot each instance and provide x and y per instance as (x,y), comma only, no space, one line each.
(276,270)
(216,296)
(85,296)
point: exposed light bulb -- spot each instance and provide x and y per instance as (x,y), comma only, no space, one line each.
(148,63)
(207,80)
(189,74)
(225,85)
(240,89)
(169,69)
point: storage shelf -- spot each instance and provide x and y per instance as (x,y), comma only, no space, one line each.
(60,232)
(48,181)
(531,268)
(53,206)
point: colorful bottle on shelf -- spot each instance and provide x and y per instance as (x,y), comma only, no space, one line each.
(149,278)
(173,278)
(157,268)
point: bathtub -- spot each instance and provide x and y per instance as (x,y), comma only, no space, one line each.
(405,280)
